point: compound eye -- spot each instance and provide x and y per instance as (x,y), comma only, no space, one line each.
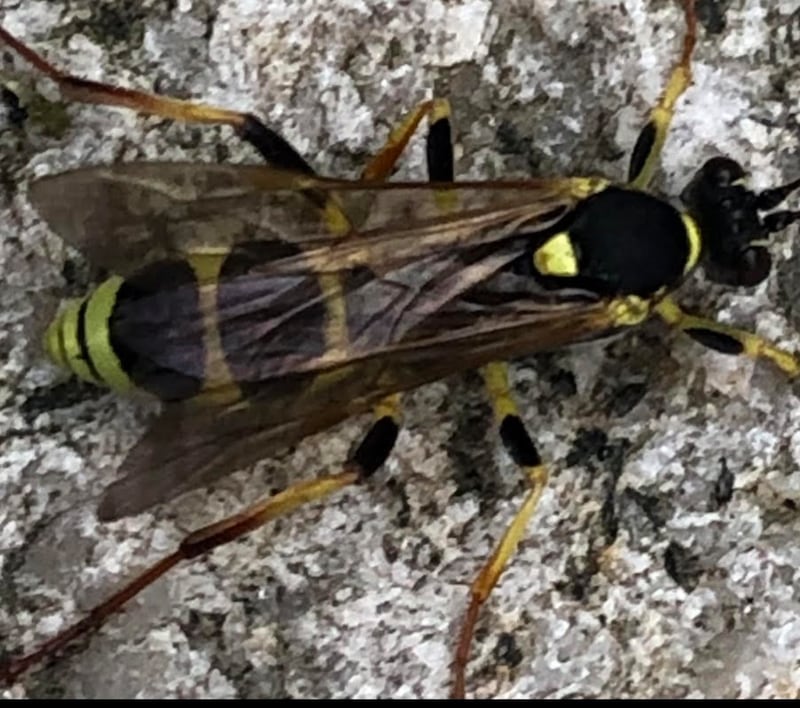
(754,266)
(722,171)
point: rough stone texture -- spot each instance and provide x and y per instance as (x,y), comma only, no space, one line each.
(362,597)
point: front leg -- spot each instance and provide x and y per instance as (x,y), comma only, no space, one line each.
(725,339)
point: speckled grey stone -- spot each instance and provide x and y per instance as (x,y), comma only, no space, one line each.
(696,596)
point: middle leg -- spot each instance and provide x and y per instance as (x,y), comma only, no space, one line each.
(523,452)
(379,440)
(513,434)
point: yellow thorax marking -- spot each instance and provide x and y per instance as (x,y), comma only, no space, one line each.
(695,239)
(219,385)
(556,257)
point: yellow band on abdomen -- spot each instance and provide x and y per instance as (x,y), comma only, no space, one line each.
(78,339)
(98,340)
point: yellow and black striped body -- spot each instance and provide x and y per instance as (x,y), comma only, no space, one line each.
(173,328)
(217,328)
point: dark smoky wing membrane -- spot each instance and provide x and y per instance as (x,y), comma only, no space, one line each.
(188,448)
(271,306)
(125,215)
(422,300)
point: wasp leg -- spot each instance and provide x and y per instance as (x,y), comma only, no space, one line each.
(378,442)
(380,438)
(439,146)
(275,149)
(204,540)
(513,434)
(651,139)
(515,437)
(523,452)
(725,339)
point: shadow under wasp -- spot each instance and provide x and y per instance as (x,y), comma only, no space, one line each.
(261,304)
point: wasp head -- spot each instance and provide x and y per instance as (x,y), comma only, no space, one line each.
(730,217)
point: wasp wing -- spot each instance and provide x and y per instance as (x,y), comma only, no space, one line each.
(186,449)
(274,312)
(126,215)
(421,293)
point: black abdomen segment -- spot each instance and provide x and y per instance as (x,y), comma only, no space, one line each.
(263,326)
(268,326)
(156,330)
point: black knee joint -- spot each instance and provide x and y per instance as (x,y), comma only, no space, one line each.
(376,446)
(718,341)
(440,152)
(518,443)
(643,148)
(276,150)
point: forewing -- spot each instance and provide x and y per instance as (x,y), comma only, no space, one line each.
(273,325)
(189,449)
(428,291)
(125,215)
(273,310)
